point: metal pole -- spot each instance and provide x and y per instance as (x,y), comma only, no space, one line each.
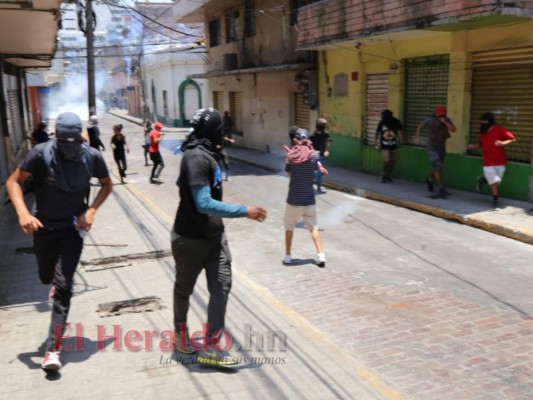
(90,58)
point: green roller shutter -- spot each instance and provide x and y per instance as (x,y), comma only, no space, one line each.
(502,83)
(426,86)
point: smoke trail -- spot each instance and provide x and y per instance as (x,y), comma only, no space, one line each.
(336,215)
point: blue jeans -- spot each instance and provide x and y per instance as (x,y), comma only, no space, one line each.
(318,174)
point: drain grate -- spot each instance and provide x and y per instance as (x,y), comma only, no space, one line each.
(99,264)
(142,304)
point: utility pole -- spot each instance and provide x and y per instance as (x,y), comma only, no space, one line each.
(90,58)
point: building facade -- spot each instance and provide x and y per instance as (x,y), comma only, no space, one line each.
(171,52)
(410,56)
(29,40)
(253,68)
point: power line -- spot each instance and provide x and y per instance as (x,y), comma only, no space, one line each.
(150,19)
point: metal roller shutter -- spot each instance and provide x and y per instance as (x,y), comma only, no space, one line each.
(236,111)
(218,101)
(502,83)
(15,117)
(301,112)
(426,86)
(377,100)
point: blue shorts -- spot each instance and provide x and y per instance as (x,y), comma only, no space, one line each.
(436,156)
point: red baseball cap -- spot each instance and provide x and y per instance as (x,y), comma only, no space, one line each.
(159,125)
(440,111)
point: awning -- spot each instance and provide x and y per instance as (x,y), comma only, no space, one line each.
(29,32)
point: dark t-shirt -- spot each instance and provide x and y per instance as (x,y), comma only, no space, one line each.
(119,143)
(301,191)
(198,168)
(320,142)
(39,136)
(437,132)
(54,207)
(388,133)
(94,137)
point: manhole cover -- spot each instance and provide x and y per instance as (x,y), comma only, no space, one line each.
(142,304)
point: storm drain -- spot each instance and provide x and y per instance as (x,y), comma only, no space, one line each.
(142,304)
(99,264)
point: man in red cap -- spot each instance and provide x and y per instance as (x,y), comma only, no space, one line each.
(439,127)
(155,137)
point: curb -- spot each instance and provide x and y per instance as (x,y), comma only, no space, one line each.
(516,234)
(520,235)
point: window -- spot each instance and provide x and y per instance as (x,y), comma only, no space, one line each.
(232,26)
(249,19)
(214,33)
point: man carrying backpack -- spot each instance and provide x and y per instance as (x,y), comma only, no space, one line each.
(61,169)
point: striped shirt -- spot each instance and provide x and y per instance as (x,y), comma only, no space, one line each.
(301,191)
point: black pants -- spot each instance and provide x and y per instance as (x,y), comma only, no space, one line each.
(58,254)
(158,162)
(191,257)
(120,159)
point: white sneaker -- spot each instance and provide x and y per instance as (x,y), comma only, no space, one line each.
(51,361)
(321,260)
(287,259)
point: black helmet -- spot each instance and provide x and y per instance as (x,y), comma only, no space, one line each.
(207,123)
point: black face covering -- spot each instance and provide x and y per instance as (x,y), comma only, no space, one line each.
(70,150)
(484,127)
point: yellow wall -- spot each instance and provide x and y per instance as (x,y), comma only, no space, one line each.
(342,113)
(379,54)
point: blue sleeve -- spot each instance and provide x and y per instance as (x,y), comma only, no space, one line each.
(207,205)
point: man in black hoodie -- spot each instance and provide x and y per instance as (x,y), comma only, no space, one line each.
(199,241)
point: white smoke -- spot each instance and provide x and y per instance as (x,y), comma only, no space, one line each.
(71,94)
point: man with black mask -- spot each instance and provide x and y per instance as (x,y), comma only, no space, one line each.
(493,137)
(61,169)
(199,241)
(321,142)
(387,140)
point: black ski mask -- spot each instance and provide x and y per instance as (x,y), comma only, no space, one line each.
(68,160)
(485,126)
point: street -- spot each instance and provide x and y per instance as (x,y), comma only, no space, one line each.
(409,306)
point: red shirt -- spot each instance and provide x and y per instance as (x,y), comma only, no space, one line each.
(154,147)
(492,154)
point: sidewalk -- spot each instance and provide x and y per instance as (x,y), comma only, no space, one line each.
(513,220)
